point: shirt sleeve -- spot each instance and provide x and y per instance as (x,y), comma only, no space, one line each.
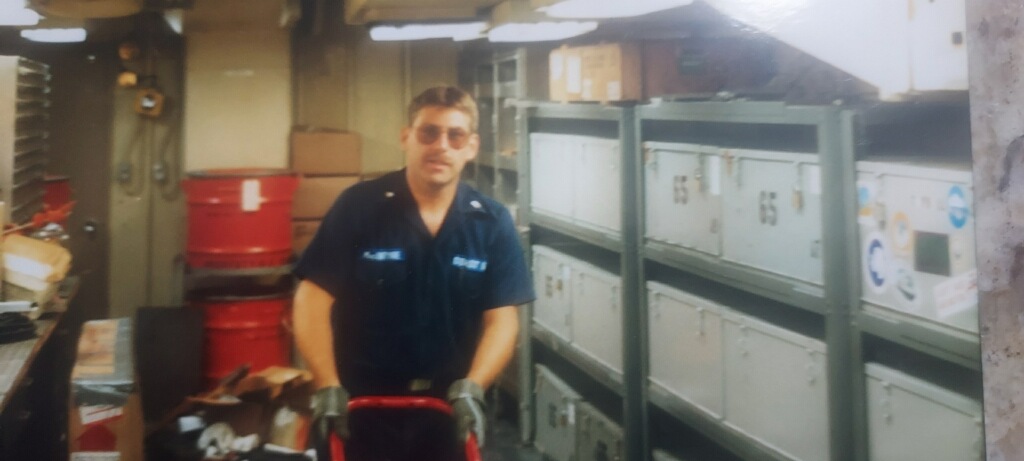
(510,280)
(327,260)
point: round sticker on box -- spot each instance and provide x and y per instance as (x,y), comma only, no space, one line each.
(876,263)
(956,203)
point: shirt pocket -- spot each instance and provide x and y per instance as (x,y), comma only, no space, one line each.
(375,275)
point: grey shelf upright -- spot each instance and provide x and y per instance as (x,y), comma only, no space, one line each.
(820,132)
(596,120)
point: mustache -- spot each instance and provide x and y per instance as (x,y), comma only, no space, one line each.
(438,159)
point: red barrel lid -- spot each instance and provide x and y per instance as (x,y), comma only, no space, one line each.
(219,173)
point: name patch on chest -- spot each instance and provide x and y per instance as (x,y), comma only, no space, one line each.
(469,264)
(386,254)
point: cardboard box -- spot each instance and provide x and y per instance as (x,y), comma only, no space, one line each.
(302,233)
(326,152)
(104,411)
(316,194)
(606,72)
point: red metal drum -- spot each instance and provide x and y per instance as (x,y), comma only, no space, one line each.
(244,329)
(239,218)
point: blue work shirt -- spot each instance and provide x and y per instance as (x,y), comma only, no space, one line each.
(408,306)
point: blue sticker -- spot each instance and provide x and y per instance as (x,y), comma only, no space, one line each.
(876,263)
(469,264)
(863,196)
(956,203)
(387,254)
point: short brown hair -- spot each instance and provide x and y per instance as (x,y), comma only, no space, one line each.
(445,96)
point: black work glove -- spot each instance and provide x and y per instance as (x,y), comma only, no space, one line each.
(467,400)
(330,412)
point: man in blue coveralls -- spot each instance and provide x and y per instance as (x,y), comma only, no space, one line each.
(410,287)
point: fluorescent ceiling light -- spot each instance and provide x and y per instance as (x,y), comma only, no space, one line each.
(15,13)
(454,31)
(596,9)
(539,31)
(54,35)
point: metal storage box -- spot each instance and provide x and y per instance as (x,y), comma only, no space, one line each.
(776,387)
(909,418)
(598,438)
(686,346)
(552,280)
(597,314)
(917,240)
(597,185)
(682,195)
(771,212)
(555,417)
(553,159)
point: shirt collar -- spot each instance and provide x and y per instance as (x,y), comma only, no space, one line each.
(467,200)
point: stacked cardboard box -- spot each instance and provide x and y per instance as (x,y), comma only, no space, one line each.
(606,72)
(328,162)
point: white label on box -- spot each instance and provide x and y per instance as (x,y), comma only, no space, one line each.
(715,175)
(813,175)
(570,411)
(614,90)
(557,63)
(92,414)
(573,75)
(588,89)
(956,295)
(251,195)
(95,456)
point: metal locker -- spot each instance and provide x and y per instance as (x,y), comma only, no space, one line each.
(682,195)
(909,418)
(598,438)
(597,186)
(686,346)
(552,280)
(552,169)
(776,388)
(597,314)
(917,240)
(771,212)
(555,417)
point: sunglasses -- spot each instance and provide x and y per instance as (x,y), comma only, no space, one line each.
(429,134)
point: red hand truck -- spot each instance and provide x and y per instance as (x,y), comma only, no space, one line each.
(408,403)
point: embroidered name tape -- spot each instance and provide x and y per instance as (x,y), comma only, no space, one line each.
(469,264)
(384,255)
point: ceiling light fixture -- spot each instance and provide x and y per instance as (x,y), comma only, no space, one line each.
(16,13)
(539,31)
(515,21)
(599,9)
(455,31)
(54,35)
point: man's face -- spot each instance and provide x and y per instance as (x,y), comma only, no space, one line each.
(438,145)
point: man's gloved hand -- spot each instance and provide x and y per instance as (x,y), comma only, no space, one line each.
(467,400)
(330,412)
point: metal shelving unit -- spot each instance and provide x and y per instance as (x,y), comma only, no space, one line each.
(24,125)
(773,127)
(612,122)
